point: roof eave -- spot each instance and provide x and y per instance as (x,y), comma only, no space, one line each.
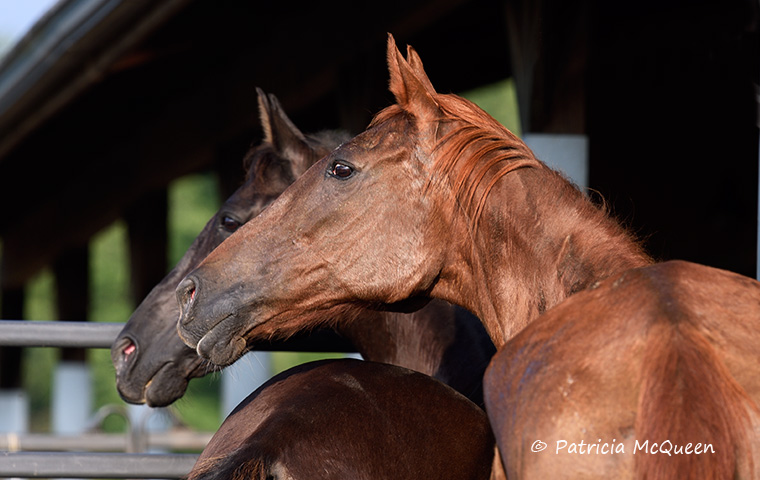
(66,51)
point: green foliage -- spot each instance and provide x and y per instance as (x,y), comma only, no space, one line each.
(200,407)
(38,362)
(500,101)
(193,200)
(282,361)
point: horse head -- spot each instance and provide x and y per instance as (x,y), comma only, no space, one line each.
(152,364)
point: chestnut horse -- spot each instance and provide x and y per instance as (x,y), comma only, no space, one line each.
(154,366)
(652,372)
(435,199)
(347,419)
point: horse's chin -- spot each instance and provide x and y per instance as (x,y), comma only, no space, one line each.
(130,394)
(167,386)
(221,348)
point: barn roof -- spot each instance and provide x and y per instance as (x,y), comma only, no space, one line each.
(105,102)
(67,51)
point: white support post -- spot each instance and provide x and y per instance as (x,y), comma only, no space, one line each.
(145,420)
(71,398)
(567,153)
(242,378)
(14,411)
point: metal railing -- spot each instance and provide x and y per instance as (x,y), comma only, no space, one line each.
(26,333)
(95,465)
(37,455)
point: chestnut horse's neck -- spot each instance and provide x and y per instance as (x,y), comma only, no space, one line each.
(514,238)
(526,238)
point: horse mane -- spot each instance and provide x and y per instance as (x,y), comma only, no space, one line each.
(475,143)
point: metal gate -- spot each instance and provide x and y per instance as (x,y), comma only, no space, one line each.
(17,461)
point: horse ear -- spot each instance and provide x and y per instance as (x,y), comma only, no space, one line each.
(409,83)
(279,131)
(416,63)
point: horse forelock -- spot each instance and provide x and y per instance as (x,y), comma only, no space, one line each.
(258,163)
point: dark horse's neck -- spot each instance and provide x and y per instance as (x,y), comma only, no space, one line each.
(440,340)
(538,240)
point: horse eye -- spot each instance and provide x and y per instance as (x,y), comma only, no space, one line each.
(230,224)
(341,170)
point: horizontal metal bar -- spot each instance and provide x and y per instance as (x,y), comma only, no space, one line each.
(34,333)
(95,465)
(23,333)
(102,442)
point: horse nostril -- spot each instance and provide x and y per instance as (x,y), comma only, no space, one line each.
(123,351)
(186,292)
(129,349)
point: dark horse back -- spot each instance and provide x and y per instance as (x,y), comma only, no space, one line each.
(347,419)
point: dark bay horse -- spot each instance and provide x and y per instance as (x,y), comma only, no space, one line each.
(347,419)
(154,366)
(436,199)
